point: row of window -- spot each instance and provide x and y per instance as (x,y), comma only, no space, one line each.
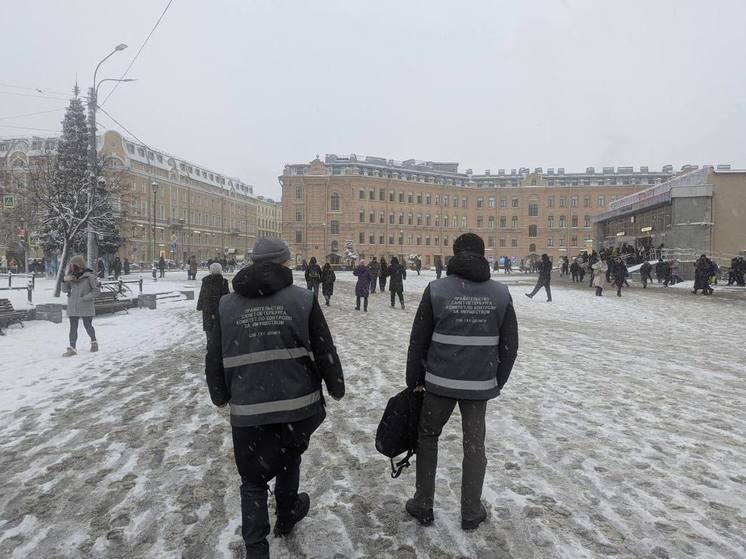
(463,201)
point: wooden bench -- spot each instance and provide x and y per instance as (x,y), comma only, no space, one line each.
(107,302)
(8,315)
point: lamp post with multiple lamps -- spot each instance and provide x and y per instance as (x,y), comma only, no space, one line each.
(92,154)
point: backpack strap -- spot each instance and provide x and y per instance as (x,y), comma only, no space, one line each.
(398,468)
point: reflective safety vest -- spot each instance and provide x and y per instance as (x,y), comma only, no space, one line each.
(267,357)
(463,357)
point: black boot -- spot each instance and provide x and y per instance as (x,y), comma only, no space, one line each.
(299,512)
(424,517)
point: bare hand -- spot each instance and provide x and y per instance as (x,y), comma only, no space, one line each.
(420,388)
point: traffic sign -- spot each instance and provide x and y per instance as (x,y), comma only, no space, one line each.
(9,201)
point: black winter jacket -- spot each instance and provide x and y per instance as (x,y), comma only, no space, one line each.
(397,275)
(475,268)
(213,288)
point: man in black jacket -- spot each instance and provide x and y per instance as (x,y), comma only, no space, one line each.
(545,276)
(269,349)
(463,344)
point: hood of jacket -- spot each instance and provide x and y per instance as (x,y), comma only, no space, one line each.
(469,265)
(262,279)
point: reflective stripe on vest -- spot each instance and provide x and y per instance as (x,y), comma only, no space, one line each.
(461,384)
(267,355)
(466,340)
(276,406)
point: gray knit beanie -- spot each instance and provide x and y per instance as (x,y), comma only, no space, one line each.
(268,249)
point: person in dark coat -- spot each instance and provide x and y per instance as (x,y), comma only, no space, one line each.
(161,267)
(328,277)
(438,267)
(545,276)
(575,271)
(384,274)
(126,267)
(508,266)
(645,274)
(397,275)
(214,286)
(463,344)
(374,269)
(417,264)
(269,351)
(702,272)
(620,275)
(362,288)
(192,269)
(116,267)
(660,270)
(313,276)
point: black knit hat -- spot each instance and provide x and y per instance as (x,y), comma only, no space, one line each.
(469,242)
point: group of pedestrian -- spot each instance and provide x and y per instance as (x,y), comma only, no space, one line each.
(270,349)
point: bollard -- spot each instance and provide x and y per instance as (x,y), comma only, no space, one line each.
(140,284)
(120,287)
(30,291)
(10,278)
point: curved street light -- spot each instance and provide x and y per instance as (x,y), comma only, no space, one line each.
(92,103)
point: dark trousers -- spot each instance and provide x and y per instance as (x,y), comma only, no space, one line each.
(313,286)
(438,272)
(162,273)
(373,283)
(436,410)
(365,302)
(87,324)
(539,284)
(263,453)
(382,283)
(394,292)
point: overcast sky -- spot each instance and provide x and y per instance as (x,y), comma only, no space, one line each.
(243,87)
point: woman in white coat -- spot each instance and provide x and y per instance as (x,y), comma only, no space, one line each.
(82,288)
(599,273)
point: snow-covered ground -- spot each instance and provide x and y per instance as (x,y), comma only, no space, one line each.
(619,434)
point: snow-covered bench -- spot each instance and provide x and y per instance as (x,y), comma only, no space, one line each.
(8,315)
(107,302)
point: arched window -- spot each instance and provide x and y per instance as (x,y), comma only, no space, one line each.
(532,247)
(335,202)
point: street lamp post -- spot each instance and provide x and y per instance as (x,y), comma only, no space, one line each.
(154,186)
(325,249)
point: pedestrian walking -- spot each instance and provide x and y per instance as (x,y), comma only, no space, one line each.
(268,352)
(645,274)
(417,264)
(384,274)
(161,267)
(397,275)
(508,266)
(545,276)
(328,277)
(575,271)
(438,267)
(599,272)
(214,286)
(374,269)
(116,267)
(702,271)
(620,275)
(192,270)
(313,276)
(362,287)
(81,287)
(463,344)
(126,267)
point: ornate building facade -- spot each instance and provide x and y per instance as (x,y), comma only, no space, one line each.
(165,205)
(383,207)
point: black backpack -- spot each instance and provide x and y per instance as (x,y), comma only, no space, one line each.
(397,431)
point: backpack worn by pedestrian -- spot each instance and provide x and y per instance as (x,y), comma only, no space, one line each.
(397,431)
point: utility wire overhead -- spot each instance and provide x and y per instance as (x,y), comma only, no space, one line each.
(42,90)
(122,126)
(35,96)
(145,42)
(32,114)
(29,128)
